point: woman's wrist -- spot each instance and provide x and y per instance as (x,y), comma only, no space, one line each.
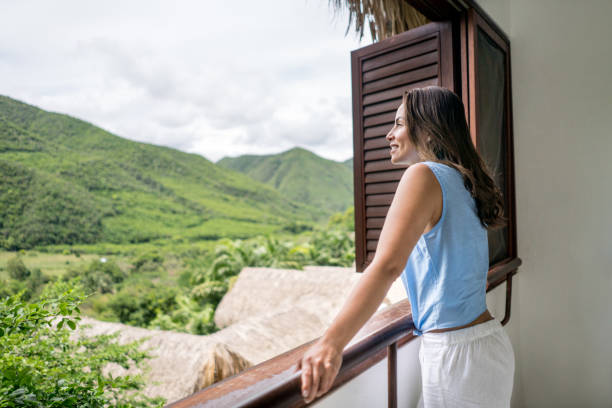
(333,341)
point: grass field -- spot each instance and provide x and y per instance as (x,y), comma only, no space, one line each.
(49,264)
(55,260)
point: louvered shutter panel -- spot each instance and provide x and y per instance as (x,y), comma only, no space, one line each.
(381,73)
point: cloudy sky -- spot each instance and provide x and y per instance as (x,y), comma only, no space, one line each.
(209,77)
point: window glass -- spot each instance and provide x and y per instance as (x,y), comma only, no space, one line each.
(492,131)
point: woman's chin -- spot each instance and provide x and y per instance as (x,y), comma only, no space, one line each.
(395,159)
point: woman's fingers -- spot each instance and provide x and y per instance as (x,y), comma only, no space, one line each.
(306,378)
(327,378)
(319,366)
(314,389)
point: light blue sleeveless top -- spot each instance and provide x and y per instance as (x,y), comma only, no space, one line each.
(446,273)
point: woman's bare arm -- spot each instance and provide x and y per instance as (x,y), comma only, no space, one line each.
(416,200)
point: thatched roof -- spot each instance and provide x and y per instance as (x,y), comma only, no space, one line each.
(182,363)
(384,18)
(267,312)
(284,308)
(259,291)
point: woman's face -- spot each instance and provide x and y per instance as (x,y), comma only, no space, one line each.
(402,149)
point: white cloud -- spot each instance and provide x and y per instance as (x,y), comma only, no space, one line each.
(213,78)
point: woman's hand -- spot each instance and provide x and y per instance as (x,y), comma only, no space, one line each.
(320,366)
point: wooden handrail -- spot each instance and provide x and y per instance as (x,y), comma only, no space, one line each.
(276,383)
(499,272)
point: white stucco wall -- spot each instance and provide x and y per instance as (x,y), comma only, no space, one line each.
(369,389)
(561,325)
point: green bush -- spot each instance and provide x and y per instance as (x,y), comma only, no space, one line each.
(139,304)
(331,247)
(344,221)
(188,317)
(98,276)
(296,227)
(184,278)
(11,287)
(210,292)
(43,367)
(17,269)
(147,262)
(28,282)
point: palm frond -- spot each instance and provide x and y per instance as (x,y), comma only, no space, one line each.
(384,18)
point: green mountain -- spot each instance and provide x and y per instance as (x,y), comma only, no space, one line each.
(301,176)
(349,163)
(66,181)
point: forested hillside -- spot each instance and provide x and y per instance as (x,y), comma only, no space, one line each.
(66,181)
(300,175)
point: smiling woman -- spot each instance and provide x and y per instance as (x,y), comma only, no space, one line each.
(402,149)
(434,237)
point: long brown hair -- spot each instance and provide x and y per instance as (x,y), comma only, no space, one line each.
(436,123)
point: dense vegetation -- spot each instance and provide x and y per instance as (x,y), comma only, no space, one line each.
(43,367)
(139,234)
(143,292)
(301,176)
(67,181)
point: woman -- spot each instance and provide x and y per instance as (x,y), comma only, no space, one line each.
(443,206)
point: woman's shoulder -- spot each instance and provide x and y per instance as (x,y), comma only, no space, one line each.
(437,165)
(424,181)
(423,171)
(442,170)
(429,170)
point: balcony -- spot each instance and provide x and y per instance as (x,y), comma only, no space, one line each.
(383,354)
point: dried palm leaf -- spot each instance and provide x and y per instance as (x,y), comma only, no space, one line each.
(384,18)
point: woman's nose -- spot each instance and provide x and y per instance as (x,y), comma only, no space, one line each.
(389,135)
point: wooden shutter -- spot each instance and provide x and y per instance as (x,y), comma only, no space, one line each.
(381,73)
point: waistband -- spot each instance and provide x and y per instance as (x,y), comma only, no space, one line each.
(463,335)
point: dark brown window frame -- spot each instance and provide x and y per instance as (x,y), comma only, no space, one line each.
(472,22)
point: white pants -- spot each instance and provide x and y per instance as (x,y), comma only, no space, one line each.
(471,367)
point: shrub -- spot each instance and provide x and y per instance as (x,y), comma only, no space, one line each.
(296,227)
(11,287)
(139,304)
(188,317)
(17,269)
(150,261)
(344,221)
(99,276)
(42,366)
(209,292)
(334,248)
(184,278)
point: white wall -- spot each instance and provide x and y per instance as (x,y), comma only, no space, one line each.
(369,389)
(561,324)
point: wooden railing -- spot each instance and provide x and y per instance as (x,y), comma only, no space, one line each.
(276,382)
